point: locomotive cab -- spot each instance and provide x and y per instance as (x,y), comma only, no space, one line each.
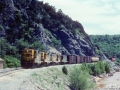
(28,57)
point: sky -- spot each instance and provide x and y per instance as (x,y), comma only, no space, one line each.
(98,17)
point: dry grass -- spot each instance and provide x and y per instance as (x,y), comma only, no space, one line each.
(51,79)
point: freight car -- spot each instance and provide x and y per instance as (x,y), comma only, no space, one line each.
(33,58)
(95,59)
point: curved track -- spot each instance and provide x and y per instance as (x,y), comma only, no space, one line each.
(10,71)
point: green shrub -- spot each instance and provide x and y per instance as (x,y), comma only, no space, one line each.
(55,41)
(102,66)
(64,70)
(97,70)
(37,45)
(11,62)
(3,47)
(80,79)
(85,67)
(90,67)
(107,68)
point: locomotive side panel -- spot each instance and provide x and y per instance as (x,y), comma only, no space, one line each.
(38,58)
(58,58)
(63,59)
(43,57)
(48,58)
(54,57)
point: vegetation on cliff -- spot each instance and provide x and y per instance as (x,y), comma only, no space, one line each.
(109,44)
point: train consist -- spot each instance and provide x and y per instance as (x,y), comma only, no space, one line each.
(34,58)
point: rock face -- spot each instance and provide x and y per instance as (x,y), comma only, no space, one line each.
(75,44)
(31,18)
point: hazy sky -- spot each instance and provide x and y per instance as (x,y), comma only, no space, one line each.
(96,16)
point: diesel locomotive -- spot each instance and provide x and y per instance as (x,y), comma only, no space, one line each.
(34,58)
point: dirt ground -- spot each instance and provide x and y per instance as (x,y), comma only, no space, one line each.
(109,83)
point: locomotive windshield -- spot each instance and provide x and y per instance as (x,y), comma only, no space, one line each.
(28,55)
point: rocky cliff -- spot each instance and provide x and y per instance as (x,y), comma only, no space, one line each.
(32,23)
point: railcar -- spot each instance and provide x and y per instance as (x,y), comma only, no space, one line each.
(95,59)
(63,59)
(78,59)
(81,59)
(33,58)
(28,57)
(71,59)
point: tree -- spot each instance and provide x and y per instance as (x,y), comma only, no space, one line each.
(80,80)
(3,47)
(10,61)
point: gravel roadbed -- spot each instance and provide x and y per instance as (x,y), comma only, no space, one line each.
(21,80)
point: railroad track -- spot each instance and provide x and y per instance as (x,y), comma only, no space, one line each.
(8,71)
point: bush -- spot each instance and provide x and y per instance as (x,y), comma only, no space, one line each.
(97,70)
(55,41)
(37,45)
(107,68)
(64,70)
(102,66)
(80,79)
(90,68)
(10,62)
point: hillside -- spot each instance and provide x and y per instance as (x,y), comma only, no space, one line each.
(34,24)
(109,44)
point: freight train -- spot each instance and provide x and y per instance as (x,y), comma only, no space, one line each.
(34,58)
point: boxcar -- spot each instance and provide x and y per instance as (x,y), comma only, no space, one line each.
(71,59)
(81,59)
(90,59)
(78,59)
